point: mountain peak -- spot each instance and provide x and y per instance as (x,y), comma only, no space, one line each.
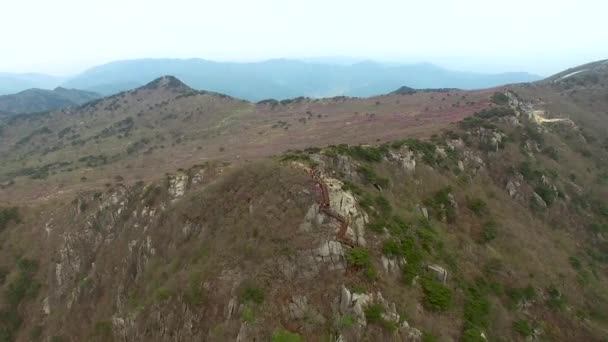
(405,90)
(167,82)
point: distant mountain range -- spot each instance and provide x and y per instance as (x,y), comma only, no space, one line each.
(39,100)
(13,82)
(278,78)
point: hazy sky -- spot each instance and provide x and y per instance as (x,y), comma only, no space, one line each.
(541,36)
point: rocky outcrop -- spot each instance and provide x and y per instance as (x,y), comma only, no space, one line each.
(514,185)
(344,203)
(539,201)
(177,185)
(299,309)
(439,273)
(354,304)
(405,158)
(393,265)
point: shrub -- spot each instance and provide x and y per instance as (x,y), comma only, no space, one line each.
(441,206)
(8,215)
(556,299)
(489,232)
(371,177)
(359,257)
(428,337)
(248,315)
(437,297)
(162,294)
(252,294)
(500,99)
(286,336)
(495,112)
(546,193)
(383,205)
(519,295)
(373,315)
(523,327)
(551,152)
(102,331)
(476,313)
(477,205)
(346,321)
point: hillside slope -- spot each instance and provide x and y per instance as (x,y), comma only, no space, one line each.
(490,226)
(40,100)
(166,125)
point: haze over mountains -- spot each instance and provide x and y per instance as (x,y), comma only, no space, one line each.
(39,100)
(278,78)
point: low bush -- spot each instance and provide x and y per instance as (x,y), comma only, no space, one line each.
(523,327)
(489,232)
(440,205)
(477,205)
(8,215)
(437,297)
(252,294)
(374,315)
(359,257)
(519,295)
(476,314)
(286,336)
(500,99)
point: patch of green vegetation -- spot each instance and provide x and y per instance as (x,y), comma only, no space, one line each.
(371,177)
(286,336)
(383,205)
(428,150)
(535,134)
(500,99)
(371,154)
(555,300)
(477,205)
(346,321)
(162,294)
(428,337)
(8,215)
(23,287)
(473,122)
(476,313)
(546,193)
(359,257)
(441,206)
(374,315)
(248,314)
(495,112)
(520,295)
(102,331)
(194,293)
(252,294)
(551,152)
(437,297)
(350,186)
(576,263)
(295,156)
(523,328)
(489,232)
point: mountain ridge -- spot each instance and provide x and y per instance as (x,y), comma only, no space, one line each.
(286,78)
(167,213)
(40,100)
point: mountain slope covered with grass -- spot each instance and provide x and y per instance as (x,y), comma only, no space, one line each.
(488,226)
